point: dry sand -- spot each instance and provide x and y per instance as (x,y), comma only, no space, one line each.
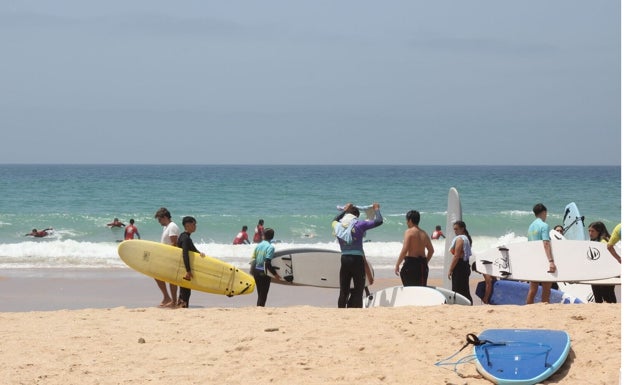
(135,342)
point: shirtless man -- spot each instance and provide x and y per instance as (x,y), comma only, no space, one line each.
(415,270)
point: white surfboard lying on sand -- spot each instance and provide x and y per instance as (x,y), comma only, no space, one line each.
(575,260)
(453,214)
(405,296)
(452,297)
(309,267)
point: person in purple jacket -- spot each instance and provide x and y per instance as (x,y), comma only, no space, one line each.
(350,230)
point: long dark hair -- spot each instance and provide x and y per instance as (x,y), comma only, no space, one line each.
(462,225)
(600,227)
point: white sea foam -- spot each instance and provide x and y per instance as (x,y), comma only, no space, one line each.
(58,253)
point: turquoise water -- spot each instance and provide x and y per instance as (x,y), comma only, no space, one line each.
(299,202)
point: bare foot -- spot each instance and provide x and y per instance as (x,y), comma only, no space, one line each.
(166,303)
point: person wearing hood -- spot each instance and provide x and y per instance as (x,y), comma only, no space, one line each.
(350,231)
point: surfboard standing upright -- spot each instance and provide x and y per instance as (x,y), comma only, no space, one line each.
(453,214)
(573,223)
(164,262)
(573,228)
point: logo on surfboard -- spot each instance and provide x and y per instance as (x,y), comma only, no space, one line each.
(593,254)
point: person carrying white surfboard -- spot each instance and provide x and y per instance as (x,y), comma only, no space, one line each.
(540,231)
(349,231)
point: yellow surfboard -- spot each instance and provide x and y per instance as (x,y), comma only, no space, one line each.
(165,263)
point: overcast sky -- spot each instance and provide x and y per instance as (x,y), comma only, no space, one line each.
(310,82)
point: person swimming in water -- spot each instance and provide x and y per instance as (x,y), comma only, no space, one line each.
(437,233)
(39,233)
(116,223)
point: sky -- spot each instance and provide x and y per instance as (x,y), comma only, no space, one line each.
(407,82)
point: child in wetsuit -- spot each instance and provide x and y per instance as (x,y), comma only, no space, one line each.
(186,244)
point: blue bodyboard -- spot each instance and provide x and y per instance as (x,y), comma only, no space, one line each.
(521,356)
(515,293)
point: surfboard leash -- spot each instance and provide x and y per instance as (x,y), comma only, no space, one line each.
(577,220)
(471,339)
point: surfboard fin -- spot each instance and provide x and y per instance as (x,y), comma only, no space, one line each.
(483,262)
(505,273)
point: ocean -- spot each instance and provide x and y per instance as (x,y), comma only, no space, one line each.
(299,202)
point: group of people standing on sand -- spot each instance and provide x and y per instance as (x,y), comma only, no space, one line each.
(171,236)
(540,231)
(412,265)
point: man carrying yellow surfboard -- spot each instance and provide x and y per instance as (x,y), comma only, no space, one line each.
(169,237)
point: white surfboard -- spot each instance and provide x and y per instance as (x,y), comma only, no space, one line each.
(367,210)
(453,214)
(405,296)
(573,223)
(452,297)
(556,236)
(309,267)
(575,260)
(574,229)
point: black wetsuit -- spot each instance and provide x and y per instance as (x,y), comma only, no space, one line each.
(186,244)
(460,279)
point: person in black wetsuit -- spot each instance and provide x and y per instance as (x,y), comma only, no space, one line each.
(186,244)
(350,230)
(459,269)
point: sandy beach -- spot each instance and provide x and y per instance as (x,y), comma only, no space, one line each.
(105,329)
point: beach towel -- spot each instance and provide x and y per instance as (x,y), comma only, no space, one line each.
(343,228)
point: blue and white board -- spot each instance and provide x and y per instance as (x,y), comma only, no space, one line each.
(573,223)
(453,214)
(526,261)
(521,356)
(405,296)
(309,267)
(515,293)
